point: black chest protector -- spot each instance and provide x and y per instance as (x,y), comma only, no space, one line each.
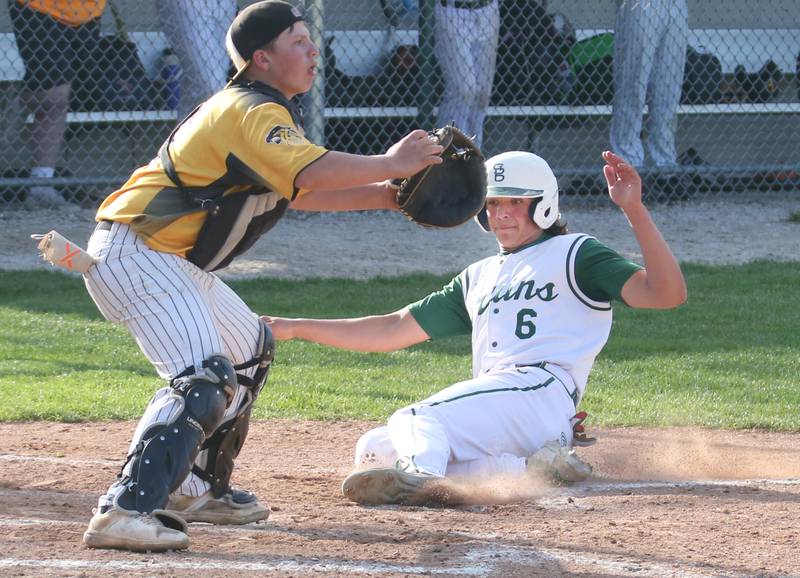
(234,221)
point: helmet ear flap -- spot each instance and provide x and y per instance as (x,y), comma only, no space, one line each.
(544,212)
(483,219)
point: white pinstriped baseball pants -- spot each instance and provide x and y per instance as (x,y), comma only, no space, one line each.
(466,49)
(178,314)
(650,38)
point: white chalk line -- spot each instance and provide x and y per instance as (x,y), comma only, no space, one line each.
(115,463)
(233,530)
(587,487)
(23,522)
(591,487)
(60,461)
(311,567)
(687,484)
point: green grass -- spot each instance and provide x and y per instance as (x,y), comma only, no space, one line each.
(794,217)
(728,358)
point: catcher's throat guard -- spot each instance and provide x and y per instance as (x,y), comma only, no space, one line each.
(448,194)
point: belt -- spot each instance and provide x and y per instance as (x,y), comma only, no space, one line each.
(466,4)
(543,365)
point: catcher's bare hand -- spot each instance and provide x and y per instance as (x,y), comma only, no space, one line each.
(414,152)
(624,183)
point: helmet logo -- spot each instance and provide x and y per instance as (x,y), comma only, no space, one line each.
(499,172)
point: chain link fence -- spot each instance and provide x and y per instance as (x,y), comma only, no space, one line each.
(704,96)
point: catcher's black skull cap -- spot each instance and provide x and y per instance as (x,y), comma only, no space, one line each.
(254,27)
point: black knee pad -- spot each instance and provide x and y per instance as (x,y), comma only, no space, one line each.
(217,370)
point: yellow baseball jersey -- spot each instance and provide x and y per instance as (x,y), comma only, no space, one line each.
(72,12)
(245,146)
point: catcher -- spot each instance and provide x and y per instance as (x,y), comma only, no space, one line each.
(539,312)
(223,178)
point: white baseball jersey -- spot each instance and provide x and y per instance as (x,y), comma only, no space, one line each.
(533,305)
(538,316)
(526,308)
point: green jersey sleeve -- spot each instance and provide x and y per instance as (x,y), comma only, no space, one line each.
(443,313)
(601,272)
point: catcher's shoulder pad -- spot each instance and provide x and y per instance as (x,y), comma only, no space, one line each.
(450,193)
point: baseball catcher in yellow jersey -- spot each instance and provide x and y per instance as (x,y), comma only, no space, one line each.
(223,178)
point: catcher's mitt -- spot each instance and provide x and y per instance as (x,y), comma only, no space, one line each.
(450,193)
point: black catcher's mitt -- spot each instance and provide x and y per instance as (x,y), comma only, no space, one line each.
(450,193)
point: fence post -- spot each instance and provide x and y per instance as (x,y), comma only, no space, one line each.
(425,98)
(315,115)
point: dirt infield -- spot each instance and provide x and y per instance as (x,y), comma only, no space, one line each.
(678,502)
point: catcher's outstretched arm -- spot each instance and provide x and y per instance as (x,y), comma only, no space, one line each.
(338,170)
(366,197)
(369,334)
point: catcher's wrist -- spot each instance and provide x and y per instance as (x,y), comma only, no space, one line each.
(390,189)
(390,165)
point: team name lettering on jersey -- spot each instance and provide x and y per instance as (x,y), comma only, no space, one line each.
(284,135)
(524,289)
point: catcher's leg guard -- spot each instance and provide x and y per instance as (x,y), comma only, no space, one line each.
(227,441)
(174,427)
(223,447)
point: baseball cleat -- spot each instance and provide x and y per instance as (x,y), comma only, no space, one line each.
(560,463)
(127,530)
(236,507)
(387,486)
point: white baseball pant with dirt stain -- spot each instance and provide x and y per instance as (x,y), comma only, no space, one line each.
(449,435)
